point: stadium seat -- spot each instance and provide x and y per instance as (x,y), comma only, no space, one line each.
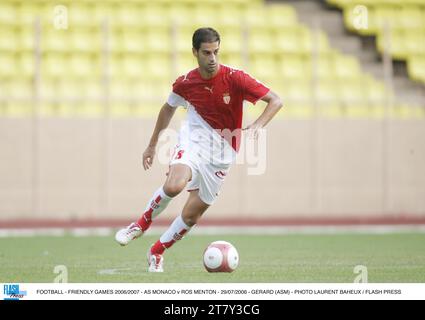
(294,67)
(8,65)
(56,40)
(327,93)
(158,40)
(346,67)
(260,42)
(416,68)
(9,39)
(376,92)
(86,41)
(281,16)
(263,68)
(234,60)
(129,41)
(288,40)
(352,92)
(232,41)
(8,13)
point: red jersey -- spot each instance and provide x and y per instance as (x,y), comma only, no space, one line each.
(219,100)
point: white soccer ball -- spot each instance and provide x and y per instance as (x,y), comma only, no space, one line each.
(221,256)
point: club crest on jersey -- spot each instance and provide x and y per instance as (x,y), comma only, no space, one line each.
(226,98)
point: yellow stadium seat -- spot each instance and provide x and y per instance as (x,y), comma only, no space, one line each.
(288,40)
(205,15)
(264,68)
(26,38)
(102,13)
(158,40)
(130,15)
(229,16)
(397,44)
(376,92)
(322,67)
(314,42)
(358,20)
(9,39)
(54,66)
(326,93)
(120,89)
(15,109)
(234,60)
(185,63)
(294,67)
(130,41)
(183,40)
(178,15)
(346,67)
(79,14)
(261,42)
(26,64)
(158,67)
(297,92)
(351,92)
(414,42)
(411,18)
(255,17)
(385,16)
(8,13)
(8,65)
(416,68)
(86,41)
(56,40)
(281,16)
(232,41)
(131,66)
(17,89)
(154,92)
(155,16)
(83,66)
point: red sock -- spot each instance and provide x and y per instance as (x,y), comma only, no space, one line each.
(175,232)
(156,205)
(145,221)
(157,248)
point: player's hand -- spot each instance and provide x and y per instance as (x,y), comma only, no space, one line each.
(148,156)
(253,130)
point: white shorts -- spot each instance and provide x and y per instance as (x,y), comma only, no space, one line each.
(206,177)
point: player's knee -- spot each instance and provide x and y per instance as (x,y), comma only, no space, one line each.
(174,187)
(190,220)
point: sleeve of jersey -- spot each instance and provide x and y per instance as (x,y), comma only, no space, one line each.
(175,98)
(252,88)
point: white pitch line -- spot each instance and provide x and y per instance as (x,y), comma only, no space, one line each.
(221,230)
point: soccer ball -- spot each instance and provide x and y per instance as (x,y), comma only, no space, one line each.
(221,256)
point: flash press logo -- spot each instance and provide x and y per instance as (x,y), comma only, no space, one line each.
(12,292)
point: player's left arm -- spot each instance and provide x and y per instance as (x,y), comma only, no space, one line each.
(273,106)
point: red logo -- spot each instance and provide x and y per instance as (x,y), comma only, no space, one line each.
(179,154)
(220,174)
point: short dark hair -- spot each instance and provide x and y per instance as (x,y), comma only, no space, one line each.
(204,35)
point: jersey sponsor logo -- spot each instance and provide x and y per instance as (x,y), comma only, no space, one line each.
(221,174)
(226,98)
(209,89)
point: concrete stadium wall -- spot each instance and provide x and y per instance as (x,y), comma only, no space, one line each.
(328,168)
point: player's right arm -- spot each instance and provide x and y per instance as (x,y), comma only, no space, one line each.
(162,123)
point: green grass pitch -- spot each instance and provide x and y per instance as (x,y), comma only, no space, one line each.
(390,258)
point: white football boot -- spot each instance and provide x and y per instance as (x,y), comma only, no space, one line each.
(155,262)
(124,236)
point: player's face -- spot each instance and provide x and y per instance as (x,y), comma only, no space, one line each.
(207,56)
